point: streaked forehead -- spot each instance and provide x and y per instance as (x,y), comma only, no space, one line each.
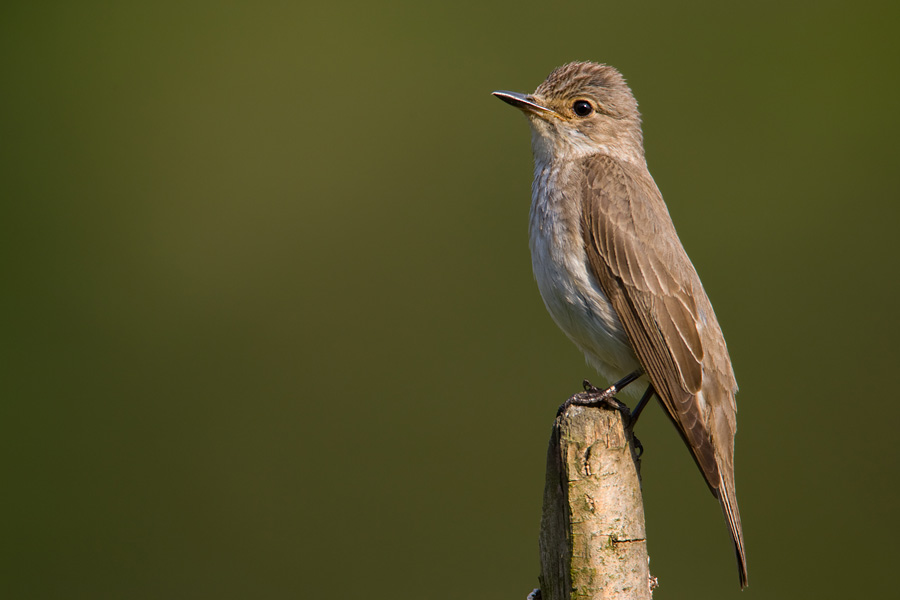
(580,77)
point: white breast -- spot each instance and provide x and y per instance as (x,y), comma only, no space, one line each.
(570,293)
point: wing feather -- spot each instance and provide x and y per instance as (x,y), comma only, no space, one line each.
(635,254)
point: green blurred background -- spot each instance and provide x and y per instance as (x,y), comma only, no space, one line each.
(269,323)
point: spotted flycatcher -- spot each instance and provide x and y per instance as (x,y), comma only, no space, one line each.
(613,273)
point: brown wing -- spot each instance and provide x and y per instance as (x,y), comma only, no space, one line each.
(637,258)
(641,266)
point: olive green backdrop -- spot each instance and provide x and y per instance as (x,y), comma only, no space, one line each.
(269,325)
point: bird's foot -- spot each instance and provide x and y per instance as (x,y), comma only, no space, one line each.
(638,446)
(594,396)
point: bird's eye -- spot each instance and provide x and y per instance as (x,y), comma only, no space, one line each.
(582,108)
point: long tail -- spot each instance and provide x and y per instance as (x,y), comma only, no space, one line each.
(728,500)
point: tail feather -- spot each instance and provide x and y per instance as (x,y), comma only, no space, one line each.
(728,501)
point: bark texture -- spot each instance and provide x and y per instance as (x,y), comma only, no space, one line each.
(593,539)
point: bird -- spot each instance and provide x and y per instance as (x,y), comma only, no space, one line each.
(614,275)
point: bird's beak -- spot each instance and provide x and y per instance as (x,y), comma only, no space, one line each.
(525,103)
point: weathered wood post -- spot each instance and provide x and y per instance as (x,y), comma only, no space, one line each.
(593,539)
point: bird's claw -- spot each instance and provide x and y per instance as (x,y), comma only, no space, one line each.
(593,396)
(588,386)
(638,446)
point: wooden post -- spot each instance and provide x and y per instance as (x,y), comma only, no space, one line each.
(593,540)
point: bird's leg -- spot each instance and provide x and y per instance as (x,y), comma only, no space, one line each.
(592,396)
(640,406)
(633,417)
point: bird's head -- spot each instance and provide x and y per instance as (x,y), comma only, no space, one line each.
(581,109)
